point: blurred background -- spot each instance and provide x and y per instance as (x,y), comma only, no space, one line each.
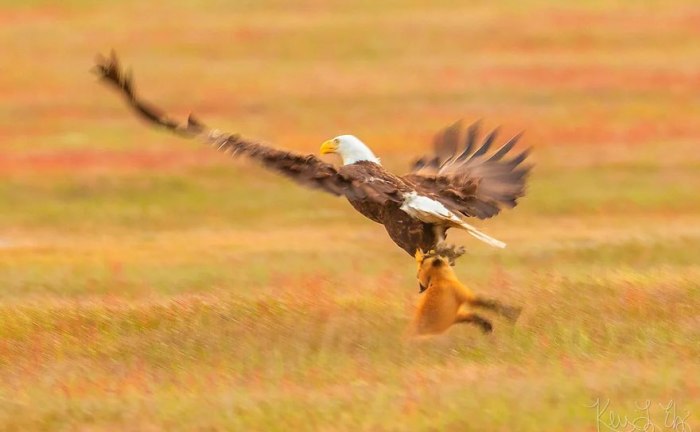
(150,283)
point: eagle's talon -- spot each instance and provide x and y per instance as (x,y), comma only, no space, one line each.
(450,251)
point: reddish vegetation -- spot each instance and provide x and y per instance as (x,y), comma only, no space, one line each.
(211,308)
(592,77)
(624,20)
(593,133)
(588,133)
(72,160)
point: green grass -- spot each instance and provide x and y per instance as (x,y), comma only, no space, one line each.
(147,283)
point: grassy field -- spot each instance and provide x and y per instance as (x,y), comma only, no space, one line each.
(148,283)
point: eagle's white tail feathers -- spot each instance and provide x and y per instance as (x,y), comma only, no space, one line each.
(481,236)
(429,210)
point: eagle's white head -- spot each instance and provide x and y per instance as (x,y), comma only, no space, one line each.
(350,149)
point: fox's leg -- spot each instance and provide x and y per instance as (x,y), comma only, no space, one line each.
(472,318)
(510,312)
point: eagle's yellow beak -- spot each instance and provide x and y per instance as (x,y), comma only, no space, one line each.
(329,146)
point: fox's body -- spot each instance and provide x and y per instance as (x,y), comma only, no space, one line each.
(442,301)
(446,301)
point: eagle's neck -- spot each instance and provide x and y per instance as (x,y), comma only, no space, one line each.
(357,151)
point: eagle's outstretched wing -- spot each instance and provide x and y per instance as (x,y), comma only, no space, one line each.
(467,178)
(307,170)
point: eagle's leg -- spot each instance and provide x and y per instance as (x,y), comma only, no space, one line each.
(439,233)
(449,251)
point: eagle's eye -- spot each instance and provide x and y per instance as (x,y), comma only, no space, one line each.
(336,141)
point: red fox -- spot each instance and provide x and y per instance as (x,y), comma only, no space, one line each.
(446,301)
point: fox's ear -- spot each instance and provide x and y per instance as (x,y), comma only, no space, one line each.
(438,262)
(419,255)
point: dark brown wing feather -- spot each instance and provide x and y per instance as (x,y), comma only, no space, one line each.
(307,170)
(470,180)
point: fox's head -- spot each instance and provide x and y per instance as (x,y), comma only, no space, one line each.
(430,265)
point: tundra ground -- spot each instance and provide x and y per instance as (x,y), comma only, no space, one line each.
(148,283)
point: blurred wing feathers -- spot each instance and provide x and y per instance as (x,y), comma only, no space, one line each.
(469,180)
(307,170)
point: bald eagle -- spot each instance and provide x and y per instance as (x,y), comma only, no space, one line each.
(416,209)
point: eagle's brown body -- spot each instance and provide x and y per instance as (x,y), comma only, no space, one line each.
(408,233)
(460,176)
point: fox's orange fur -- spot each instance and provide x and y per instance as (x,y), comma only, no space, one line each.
(446,301)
